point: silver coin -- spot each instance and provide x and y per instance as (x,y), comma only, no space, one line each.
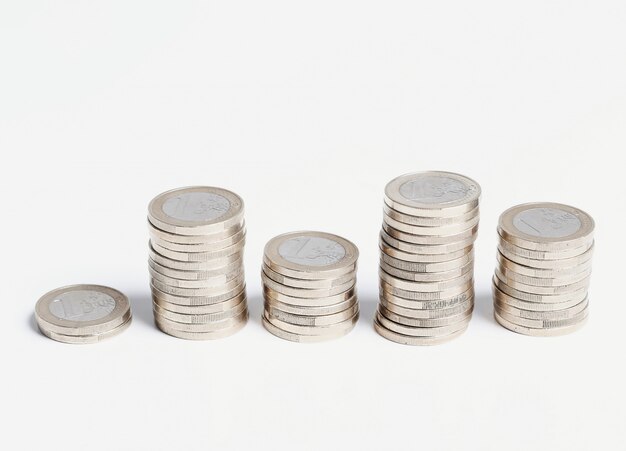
(332,329)
(304,292)
(412,340)
(411,295)
(308,283)
(194,266)
(82,310)
(423,249)
(423,322)
(204,327)
(415,257)
(542,273)
(502,297)
(543,316)
(198,292)
(207,246)
(432,194)
(552,290)
(213,282)
(225,234)
(551,332)
(236,266)
(235,249)
(309,302)
(425,287)
(304,338)
(428,221)
(541,324)
(421,331)
(538,298)
(548,264)
(86,339)
(424,313)
(213,335)
(312,321)
(430,239)
(196,210)
(201,309)
(434,267)
(435,231)
(309,311)
(197,300)
(200,318)
(546,226)
(543,281)
(306,255)
(427,277)
(543,255)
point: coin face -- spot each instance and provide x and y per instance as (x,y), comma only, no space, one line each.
(197,210)
(433,189)
(422,192)
(547,222)
(312,251)
(82,305)
(196,206)
(546,226)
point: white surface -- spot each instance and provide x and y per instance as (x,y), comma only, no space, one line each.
(306,109)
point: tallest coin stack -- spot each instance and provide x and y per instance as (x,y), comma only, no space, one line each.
(429,227)
(197,238)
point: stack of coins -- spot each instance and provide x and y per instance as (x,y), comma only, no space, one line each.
(544,265)
(309,283)
(430,223)
(82,313)
(197,238)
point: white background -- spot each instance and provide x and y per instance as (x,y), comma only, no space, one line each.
(307,110)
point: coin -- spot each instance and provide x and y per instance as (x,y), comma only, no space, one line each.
(202,283)
(312,330)
(213,335)
(412,340)
(236,266)
(197,300)
(270,302)
(546,226)
(428,313)
(426,277)
(200,318)
(425,287)
(210,326)
(229,233)
(432,193)
(421,331)
(431,304)
(82,313)
(427,267)
(430,239)
(423,322)
(539,315)
(425,295)
(309,283)
(204,246)
(548,264)
(450,229)
(199,257)
(312,321)
(196,210)
(309,302)
(540,332)
(535,306)
(276,331)
(543,281)
(317,254)
(200,309)
(428,221)
(542,273)
(543,255)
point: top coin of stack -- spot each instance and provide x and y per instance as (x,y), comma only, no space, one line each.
(197,238)
(82,313)
(544,265)
(430,223)
(309,286)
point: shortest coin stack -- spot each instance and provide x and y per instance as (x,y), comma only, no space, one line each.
(82,313)
(544,265)
(309,283)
